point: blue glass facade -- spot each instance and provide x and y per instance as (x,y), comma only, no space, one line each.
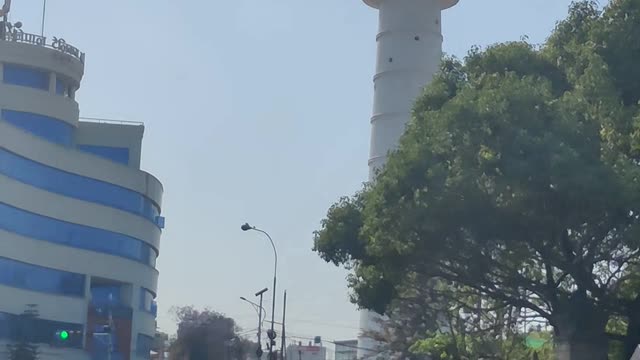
(100,348)
(37,330)
(117,154)
(54,130)
(144,344)
(25,76)
(36,278)
(79,236)
(105,295)
(146,300)
(76,186)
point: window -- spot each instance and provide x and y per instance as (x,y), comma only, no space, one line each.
(54,130)
(64,87)
(102,295)
(36,278)
(76,186)
(144,344)
(25,76)
(146,300)
(79,236)
(40,331)
(117,154)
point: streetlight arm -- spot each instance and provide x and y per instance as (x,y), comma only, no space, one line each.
(273,245)
(256,307)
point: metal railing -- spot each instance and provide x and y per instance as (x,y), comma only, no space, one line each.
(110,121)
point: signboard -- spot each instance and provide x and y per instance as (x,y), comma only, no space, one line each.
(299,352)
(15,34)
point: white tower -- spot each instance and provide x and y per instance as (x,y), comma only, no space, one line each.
(409,54)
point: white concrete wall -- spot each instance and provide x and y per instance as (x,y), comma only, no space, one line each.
(78,162)
(409,54)
(114,135)
(21,98)
(41,58)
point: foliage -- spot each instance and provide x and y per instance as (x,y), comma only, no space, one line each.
(22,329)
(207,335)
(436,321)
(517,180)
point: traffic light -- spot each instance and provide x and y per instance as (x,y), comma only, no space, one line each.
(272,336)
(65,337)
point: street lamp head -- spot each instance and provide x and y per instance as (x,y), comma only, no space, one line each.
(246,227)
(243,298)
(262,291)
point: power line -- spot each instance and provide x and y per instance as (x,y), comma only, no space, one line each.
(324,323)
(314,322)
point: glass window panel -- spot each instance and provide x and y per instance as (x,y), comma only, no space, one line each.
(76,186)
(144,344)
(51,129)
(38,330)
(116,154)
(146,300)
(84,237)
(25,76)
(36,278)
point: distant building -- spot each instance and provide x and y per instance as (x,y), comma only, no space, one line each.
(346,350)
(80,223)
(308,352)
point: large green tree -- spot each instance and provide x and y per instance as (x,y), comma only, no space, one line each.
(518,177)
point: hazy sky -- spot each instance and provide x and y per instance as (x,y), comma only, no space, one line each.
(255,111)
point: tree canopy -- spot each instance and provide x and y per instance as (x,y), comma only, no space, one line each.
(207,335)
(517,179)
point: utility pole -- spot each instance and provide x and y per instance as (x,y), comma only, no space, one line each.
(284,338)
(44,15)
(110,326)
(259,349)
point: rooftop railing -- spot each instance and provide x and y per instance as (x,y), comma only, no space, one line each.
(110,121)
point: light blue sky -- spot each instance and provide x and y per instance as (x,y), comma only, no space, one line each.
(255,111)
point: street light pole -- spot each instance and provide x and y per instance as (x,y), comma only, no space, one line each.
(247,227)
(259,349)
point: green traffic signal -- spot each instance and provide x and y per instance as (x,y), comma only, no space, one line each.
(63,335)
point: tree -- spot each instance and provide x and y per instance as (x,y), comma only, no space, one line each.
(437,321)
(207,335)
(516,180)
(22,329)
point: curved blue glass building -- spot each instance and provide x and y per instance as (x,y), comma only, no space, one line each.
(80,223)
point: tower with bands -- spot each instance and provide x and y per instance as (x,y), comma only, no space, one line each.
(409,53)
